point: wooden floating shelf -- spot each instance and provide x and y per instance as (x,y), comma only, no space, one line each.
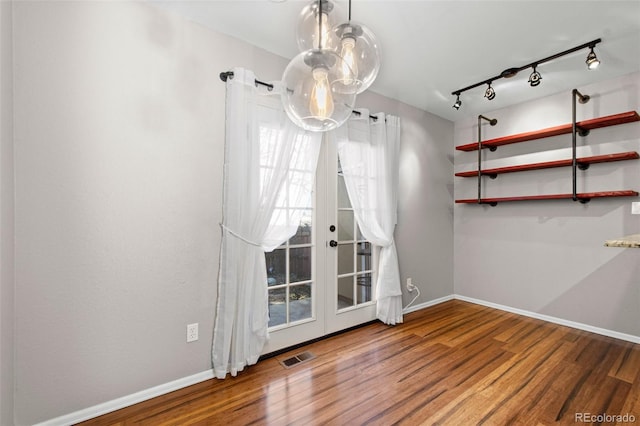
(583,162)
(595,123)
(630,241)
(583,197)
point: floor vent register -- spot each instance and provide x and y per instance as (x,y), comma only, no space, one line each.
(297,359)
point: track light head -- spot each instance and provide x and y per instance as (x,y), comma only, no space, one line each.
(535,77)
(458,102)
(490,93)
(592,60)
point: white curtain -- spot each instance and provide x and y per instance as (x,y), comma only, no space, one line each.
(269,169)
(369,153)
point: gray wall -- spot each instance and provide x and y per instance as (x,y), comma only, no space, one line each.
(6,215)
(424,234)
(119,129)
(548,257)
(119,126)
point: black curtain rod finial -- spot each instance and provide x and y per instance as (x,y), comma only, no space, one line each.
(225,75)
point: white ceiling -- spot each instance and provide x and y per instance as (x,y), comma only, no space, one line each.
(432,48)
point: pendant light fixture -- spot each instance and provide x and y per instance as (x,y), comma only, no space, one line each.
(309,97)
(359,49)
(314,25)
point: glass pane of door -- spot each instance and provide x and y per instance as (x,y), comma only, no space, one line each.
(354,253)
(290,277)
(295,275)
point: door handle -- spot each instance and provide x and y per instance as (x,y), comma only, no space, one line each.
(333,243)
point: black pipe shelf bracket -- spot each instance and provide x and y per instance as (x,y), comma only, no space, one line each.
(492,122)
(576,96)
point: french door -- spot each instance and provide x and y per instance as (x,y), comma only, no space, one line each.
(322,279)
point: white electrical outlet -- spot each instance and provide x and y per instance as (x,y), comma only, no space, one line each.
(192,332)
(635,207)
(410,286)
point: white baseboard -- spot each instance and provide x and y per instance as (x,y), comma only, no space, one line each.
(126,401)
(548,318)
(427,304)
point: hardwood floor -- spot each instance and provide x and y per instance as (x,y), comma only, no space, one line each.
(452,364)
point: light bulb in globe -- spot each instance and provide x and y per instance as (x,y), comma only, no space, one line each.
(359,49)
(309,96)
(350,66)
(321,100)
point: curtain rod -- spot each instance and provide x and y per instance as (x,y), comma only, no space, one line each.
(229,74)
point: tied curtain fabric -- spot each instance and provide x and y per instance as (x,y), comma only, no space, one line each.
(269,170)
(369,157)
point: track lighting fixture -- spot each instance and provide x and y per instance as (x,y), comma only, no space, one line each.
(535,77)
(458,102)
(592,60)
(490,93)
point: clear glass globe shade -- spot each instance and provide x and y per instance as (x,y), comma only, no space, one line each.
(360,49)
(307,30)
(309,96)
